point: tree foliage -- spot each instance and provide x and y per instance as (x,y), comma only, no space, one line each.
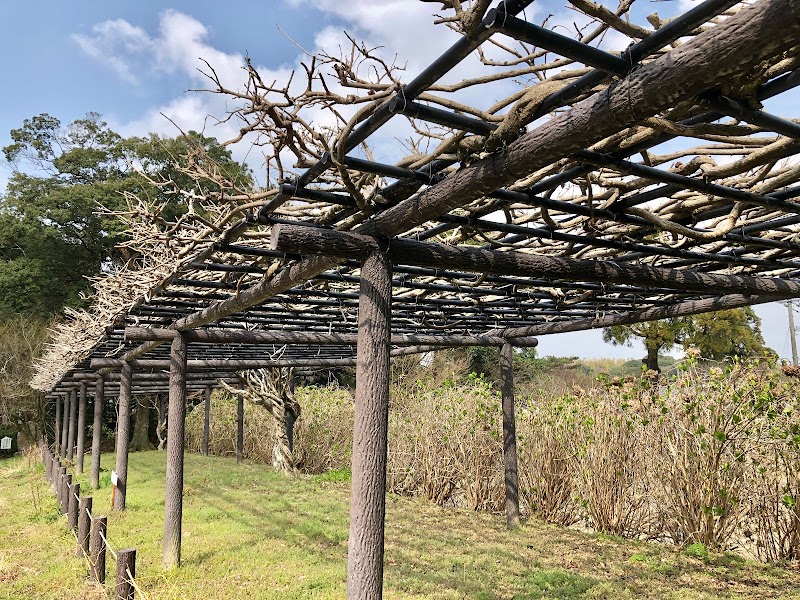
(56,226)
(717,335)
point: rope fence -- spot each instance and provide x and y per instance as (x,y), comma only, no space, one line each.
(90,532)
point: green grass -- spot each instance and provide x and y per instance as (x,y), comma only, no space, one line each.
(251,533)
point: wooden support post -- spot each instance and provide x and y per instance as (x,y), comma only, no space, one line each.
(64,426)
(173,505)
(98,563)
(57,444)
(84,526)
(367,498)
(126,572)
(97,427)
(73,422)
(240,429)
(123,437)
(207,421)
(509,436)
(73,501)
(81,430)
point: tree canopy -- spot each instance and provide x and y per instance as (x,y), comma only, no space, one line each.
(720,335)
(56,226)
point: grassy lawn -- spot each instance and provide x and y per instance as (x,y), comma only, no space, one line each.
(250,533)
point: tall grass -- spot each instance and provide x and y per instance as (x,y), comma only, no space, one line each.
(707,456)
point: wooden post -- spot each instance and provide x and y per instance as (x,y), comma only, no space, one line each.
(57,444)
(84,526)
(126,572)
(64,426)
(239,429)
(73,422)
(123,436)
(97,427)
(66,484)
(98,563)
(81,430)
(509,436)
(72,505)
(207,421)
(367,498)
(173,504)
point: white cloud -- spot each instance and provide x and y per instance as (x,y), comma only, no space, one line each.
(116,43)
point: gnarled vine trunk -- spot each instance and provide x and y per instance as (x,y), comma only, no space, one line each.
(273,389)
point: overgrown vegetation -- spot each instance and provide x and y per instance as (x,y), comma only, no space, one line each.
(252,533)
(709,456)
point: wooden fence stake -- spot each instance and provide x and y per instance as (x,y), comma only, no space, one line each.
(72,505)
(57,428)
(98,562)
(126,572)
(84,526)
(368,492)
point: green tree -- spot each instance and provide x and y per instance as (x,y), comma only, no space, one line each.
(717,335)
(53,235)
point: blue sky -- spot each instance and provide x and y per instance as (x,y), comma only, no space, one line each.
(132,61)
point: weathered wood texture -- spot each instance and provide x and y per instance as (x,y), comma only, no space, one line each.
(681,309)
(173,505)
(509,436)
(73,500)
(84,526)
(58,428)
(126,573)
(314,240)
(239,429)
(367,499)
(97,565)
(123,437)
(97,426)
(73,421)
(206,420)
(81,430)
(227,336)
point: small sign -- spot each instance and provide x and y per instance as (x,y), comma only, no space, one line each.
(5,443)
(114,478)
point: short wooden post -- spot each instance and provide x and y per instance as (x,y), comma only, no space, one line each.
(57,446)
(84,526)
(66,483)
(126,572)
(81,430)
(64,426)
(98,563)
(72,505)
(123,436)
(73,422)
(240,429)
(368,491)
(55,474)
(509,436)
(173,503)
(97,427)
(207,421)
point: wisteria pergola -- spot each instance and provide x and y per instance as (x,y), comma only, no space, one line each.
(578,188)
